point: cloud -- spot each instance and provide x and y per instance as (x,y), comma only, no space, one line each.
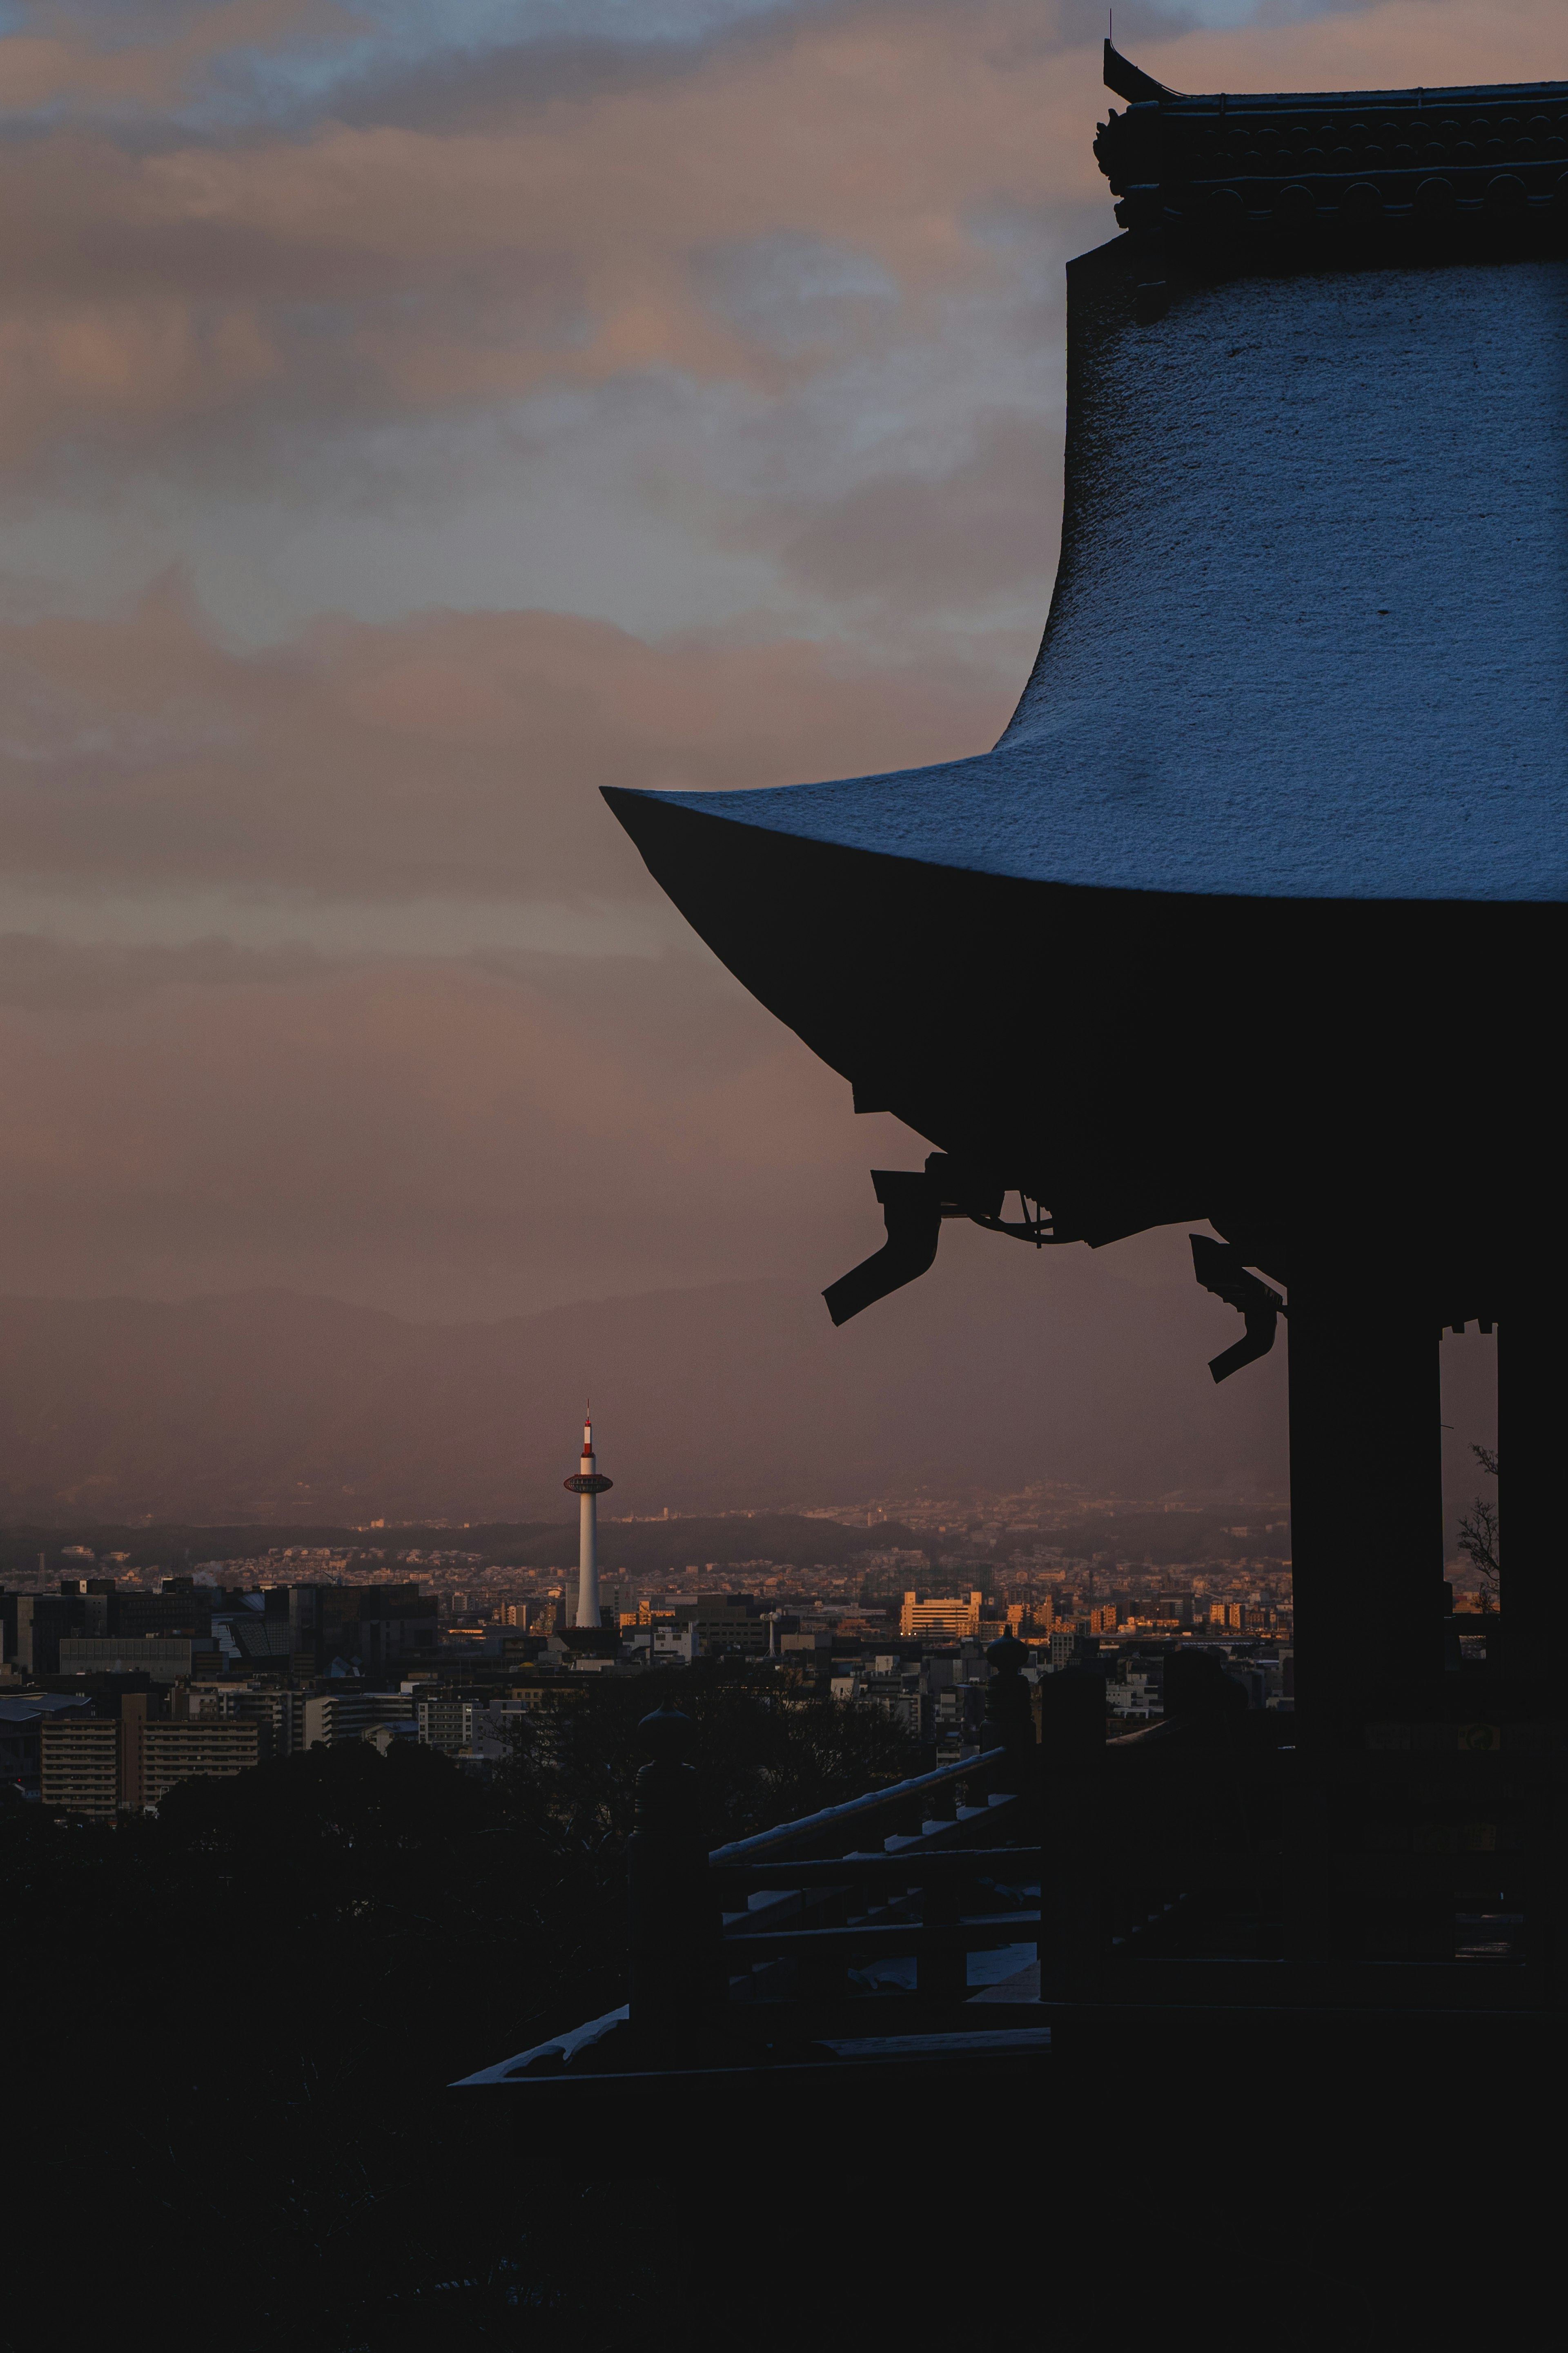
(275,1002)
(400,269)
(453,756)
(43,975)
(144,62)
(186,292)
(449,1139)
(918,542)
(1385,45)
(363,1089)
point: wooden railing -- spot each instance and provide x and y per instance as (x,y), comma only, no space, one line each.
(769,1945)
(785,1916)
(1217,1865)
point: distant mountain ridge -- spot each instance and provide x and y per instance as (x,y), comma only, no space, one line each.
(271,1406)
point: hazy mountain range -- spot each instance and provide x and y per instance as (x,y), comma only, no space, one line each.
(996,1371)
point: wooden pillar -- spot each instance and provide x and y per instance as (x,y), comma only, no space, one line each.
(1366,1497)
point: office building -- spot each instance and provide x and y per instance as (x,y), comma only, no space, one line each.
(955,1620)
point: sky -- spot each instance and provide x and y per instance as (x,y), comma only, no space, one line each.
(416,413)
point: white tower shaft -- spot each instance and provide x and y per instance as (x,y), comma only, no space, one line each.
(587,1560)
(588,1485)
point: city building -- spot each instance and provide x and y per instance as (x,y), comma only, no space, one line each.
(80,1763)
(280,1709)
(95,1765)
(954,1619)
(41,1619)
(166,1658)
(22,1719)
(470,1728)
(447,1723)
(673,1645)
(333,1715)
(199,1748)
(377,1628)
(254,1628)
(180,1607)
(20,1725)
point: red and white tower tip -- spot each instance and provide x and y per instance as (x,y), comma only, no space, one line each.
(587,1486)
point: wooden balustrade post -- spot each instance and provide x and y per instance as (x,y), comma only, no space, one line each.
(677,1979)
(942,1973)
(1072,1764)
(1009,1715)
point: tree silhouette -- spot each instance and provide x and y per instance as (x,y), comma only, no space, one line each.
(1479,1532)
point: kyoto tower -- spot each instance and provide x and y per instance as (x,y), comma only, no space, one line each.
(587,1486)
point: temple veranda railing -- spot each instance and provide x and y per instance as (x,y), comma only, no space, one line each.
(1207,1865)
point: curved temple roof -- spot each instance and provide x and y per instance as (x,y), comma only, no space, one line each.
(1309,632)
(1276,841)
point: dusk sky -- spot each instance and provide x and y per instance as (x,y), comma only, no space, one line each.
(416,415)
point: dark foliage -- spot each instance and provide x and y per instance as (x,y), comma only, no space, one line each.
(232,2027)
(1480,1533)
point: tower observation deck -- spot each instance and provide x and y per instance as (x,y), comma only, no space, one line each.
(1269,869)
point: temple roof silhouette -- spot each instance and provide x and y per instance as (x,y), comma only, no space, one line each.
(1295,741)
(1309,629)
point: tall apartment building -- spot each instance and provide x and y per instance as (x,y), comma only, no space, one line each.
(199,1748)
(95,1765)
(447,1723)
(80,1765)
(281,1713)
(955,1620)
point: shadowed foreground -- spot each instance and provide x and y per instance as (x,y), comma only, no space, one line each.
(233,2029)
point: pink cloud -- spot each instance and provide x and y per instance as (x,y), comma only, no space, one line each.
(51,69)
(460,1134)
(451,754)
(430,1138)
(561,240)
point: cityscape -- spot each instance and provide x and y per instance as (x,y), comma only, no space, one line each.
(782,878)
(214,1666)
